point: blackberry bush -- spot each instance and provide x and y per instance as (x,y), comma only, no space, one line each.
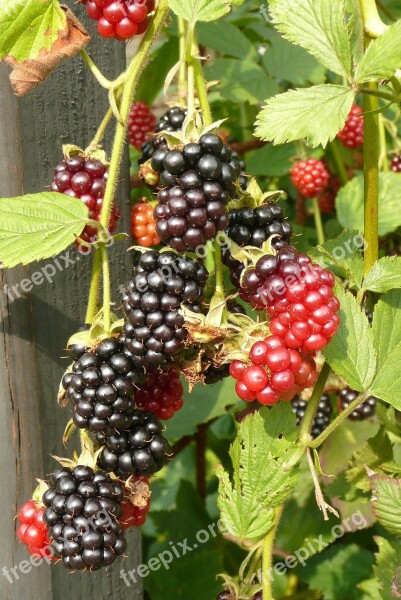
(83,508)
(85,178)
(140,450)
(365,410)
(154,328)
(196,184)
(101,386)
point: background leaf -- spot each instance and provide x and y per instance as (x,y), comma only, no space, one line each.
(316,114)
(382,57)
(349,203)
(319,27)
(388,561)
(38,226)
(350,353)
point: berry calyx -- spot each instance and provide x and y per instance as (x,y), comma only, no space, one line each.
(85,179)
(32,530)
(120,19)
(322,417)
(83,508)
(140,124)
(365,410)
(144,225)
(161,394)
(140,450)
(351,136)
(310,177)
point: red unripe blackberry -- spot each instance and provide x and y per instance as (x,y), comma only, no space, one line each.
(310,177)
(351,135)
(33,531)
(327,198)
(196,183)
(140,124)
(83,513)
(144,225)
(120,19)
(134,516)
(154,328)
(171,121)
(161,394)
(101,386)
(85,179)
(396,163)
(298,296)
(323,414)
(140,450)
(365,410)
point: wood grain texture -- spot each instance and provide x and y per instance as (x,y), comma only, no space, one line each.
(66,108)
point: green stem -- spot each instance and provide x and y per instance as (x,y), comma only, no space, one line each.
(307,421)
(338,420)
(372,23)
(200,85)
(267,560)
(102,80)
(191,89)
(318,221)
(102,129)
(338,160)
(182,77)
(374,91)
(106,288)
(371,154)
(218,269)
(383,160)
(94,287)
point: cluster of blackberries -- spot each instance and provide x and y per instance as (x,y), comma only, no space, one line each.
(196,183)
(85,179)
(140,450)
(365,410)
(101,386)
(253,227)
(83,512)
(171,121)
(323,415)
(154,328)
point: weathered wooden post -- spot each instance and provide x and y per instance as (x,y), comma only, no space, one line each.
(35,324)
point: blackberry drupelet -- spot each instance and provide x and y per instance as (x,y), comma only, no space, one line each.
(196,183)
(141,450)
(154,329)
(363,411)
(253,227)
(83,512)
(101,386)
(322,418)
(171,121)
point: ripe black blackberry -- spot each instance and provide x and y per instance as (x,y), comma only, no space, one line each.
(253,227)
(83,512)
(101,386)
(172,120)
(322,418)
(242,179)
(196,183)
(363,411)
(153,329)
(141,450)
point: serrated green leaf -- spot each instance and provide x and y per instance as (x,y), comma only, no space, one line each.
(388,561)
(386,501)
(283,60)
(386,330)
(378,450)
(382,57)
(349,203)
(343,256)
(264,442)
(385,275)
(318,26)
(317,114)
(200,10)
(28,27)
(350,353)
(38,226)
